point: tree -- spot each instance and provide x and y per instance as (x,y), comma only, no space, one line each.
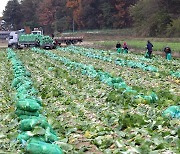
(150,18)
(13,14)
(46,14)
(121,15)
(77,11)
(90,14)
(63,16)
(29,9)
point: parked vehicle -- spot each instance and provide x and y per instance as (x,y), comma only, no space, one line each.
(18,39)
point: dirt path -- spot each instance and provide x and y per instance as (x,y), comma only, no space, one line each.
(3,44)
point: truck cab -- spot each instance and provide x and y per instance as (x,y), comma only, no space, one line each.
(13,38)
(37,32)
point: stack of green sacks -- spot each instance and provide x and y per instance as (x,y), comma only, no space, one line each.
(46,40)
(34,128)
(30,38)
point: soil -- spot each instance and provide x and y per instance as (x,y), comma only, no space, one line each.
(3,44)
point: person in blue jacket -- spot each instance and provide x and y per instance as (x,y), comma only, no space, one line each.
(149,48)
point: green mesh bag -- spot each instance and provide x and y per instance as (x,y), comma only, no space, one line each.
(28,96)
(169,57)
(125,51)
(146,55)
(29,124)
(24,86)
(39,147)
(20,112)
(176,74)
(49,136)
(172,112)
(22,117)
(25,136)
(20,80)
(28,105)
(119,50)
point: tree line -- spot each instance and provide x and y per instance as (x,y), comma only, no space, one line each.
(149,17)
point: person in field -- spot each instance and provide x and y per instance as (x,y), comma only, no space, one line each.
(52,35)
(167,51)
(149,48)
(125,47)
(118,47)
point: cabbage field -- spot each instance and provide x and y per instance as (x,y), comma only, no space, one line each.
(85,100)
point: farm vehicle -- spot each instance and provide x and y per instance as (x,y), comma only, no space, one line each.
(18,39)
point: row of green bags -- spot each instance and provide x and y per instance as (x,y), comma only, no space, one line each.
(89,70)
(121,62)
(28,108)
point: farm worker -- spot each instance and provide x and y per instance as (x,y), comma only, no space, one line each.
(52,35)
(167,50)
(125,47)
(118,47)
(149,49)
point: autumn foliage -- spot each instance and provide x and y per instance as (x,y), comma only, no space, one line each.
(151,16)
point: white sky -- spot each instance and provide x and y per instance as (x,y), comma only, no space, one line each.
(2,6)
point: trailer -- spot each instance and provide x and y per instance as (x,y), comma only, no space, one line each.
(68,40)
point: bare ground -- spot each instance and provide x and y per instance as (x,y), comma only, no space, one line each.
(3,44)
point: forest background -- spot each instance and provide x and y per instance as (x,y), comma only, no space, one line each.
(149,18)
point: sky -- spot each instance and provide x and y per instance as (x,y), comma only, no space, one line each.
(2,6)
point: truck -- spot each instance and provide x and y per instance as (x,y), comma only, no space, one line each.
(18,39)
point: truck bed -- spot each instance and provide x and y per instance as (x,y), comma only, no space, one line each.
(68,40)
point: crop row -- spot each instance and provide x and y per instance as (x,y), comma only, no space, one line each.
(156,61)
(144,81)
(117,61)
(8,120)
(89,113)
(137,63)
(104,77)
(35,132)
